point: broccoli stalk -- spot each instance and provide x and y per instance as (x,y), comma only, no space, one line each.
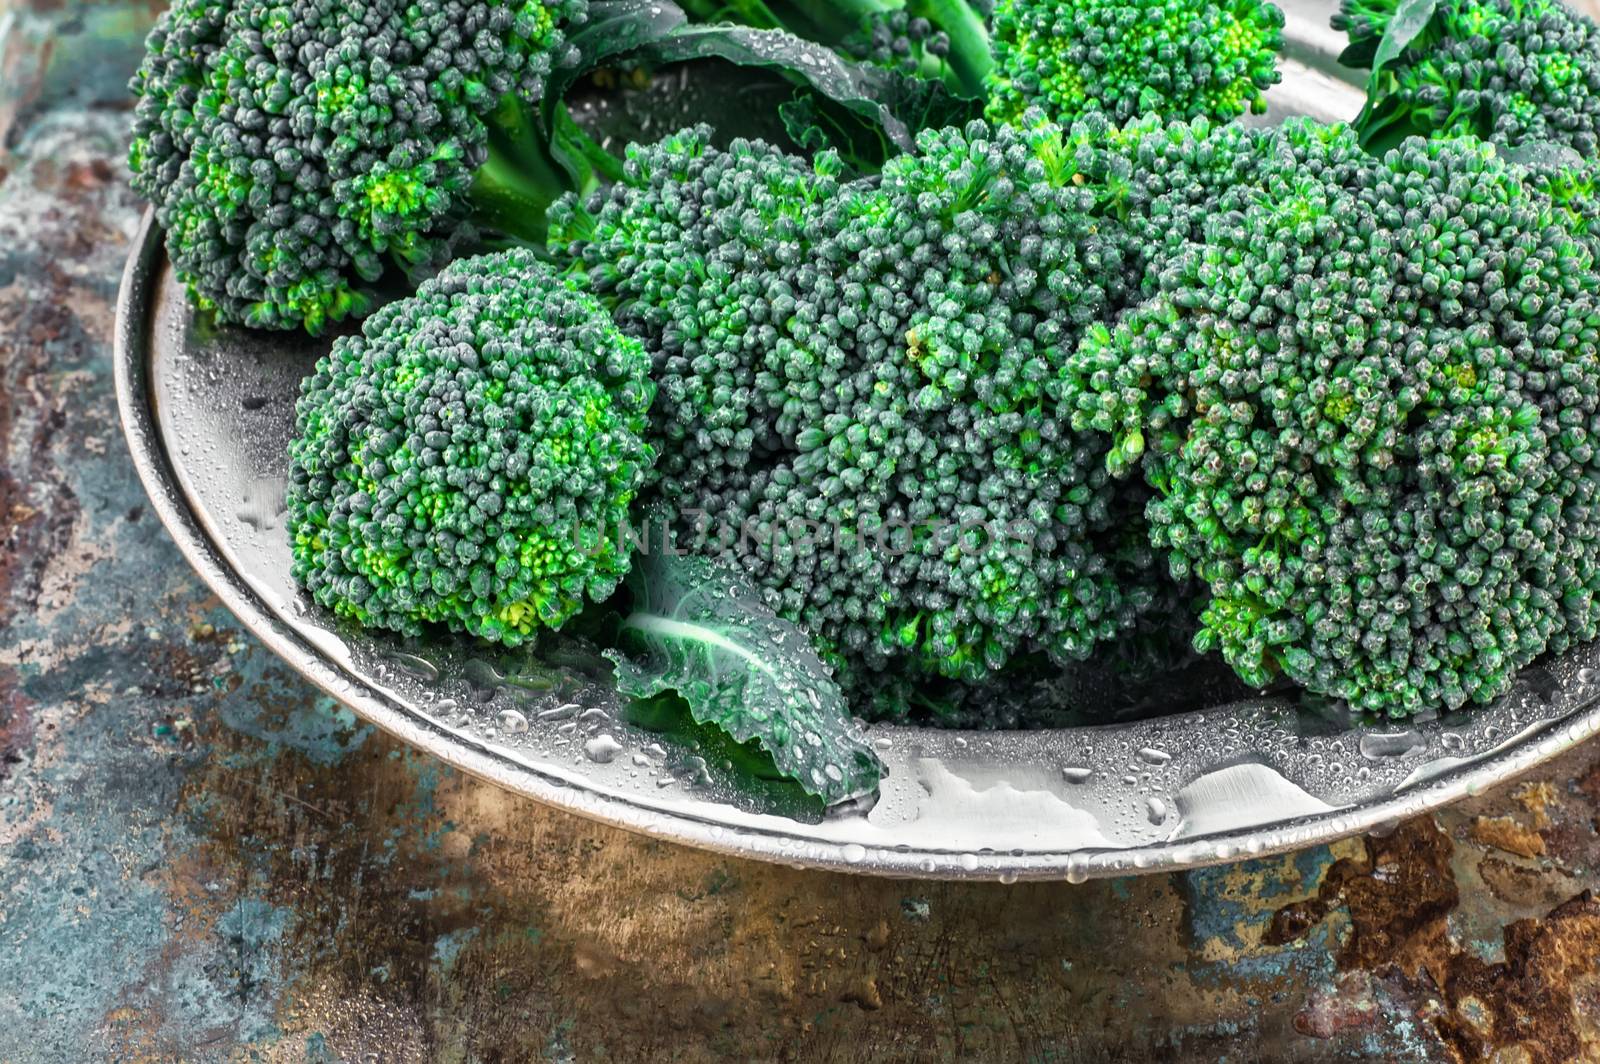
(520,179)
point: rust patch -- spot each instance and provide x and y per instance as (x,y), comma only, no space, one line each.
(89,175)
(1505,833)
(1398,898)
(1348,1004)
(1538,798)
(1519,885)
(1588,783)
(1527,1000)
(37,508)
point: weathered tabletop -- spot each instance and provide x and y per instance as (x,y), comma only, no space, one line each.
(200,858)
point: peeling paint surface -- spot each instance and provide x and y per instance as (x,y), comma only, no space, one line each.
(203,859)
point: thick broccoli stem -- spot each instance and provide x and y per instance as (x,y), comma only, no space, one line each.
(519,181)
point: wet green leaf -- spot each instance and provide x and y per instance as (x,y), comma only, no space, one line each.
(704,633)
(1411,17)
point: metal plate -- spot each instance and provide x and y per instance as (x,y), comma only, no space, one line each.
(208,413)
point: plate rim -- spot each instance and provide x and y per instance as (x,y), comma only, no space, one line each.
(135,309)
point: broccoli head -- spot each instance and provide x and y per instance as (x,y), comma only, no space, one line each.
(688,251)
(1365,402)
(471,457)
(1510,71)
(294,149)
(1162,180)
(1123,58)
(853,385)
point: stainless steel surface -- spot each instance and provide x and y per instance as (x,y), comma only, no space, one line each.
(208,413)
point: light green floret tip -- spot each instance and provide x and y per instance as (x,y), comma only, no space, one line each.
(471,458)
(1180,59)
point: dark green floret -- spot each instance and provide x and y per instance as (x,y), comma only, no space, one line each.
(1365,402)
(1510,71)
(854,405)
(296,150)
(470,459)
(1178,58)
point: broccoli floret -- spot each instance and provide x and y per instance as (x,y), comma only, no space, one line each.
(1365,402)
(470,459)
(853,385)
(294,150)
(679,249)
(1510,71)
(1178,59)
(1161,181)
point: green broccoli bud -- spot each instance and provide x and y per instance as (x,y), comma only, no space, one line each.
(1183,59)
(471,458)
(1369,383)
(294,151)
(854,385)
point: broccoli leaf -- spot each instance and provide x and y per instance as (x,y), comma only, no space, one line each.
(1358,54)
(704,633)
(759,781)
(1543,155)
(889,104)
(1411,17)
(816,124)
(614,27)
(868,91)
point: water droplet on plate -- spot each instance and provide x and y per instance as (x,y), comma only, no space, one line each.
(415,667)
(603,748)
(1380,745)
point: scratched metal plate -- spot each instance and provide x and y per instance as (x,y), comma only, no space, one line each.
(208,413)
